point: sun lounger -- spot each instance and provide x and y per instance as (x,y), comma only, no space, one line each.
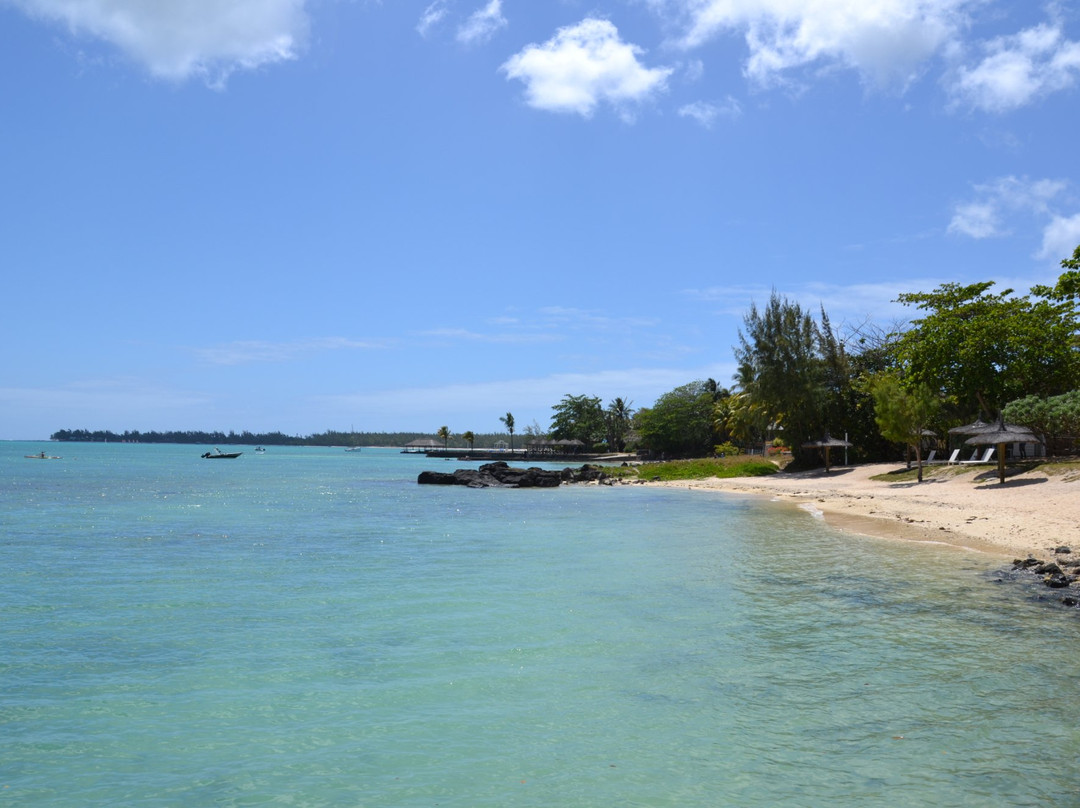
(984,459)
(954,457)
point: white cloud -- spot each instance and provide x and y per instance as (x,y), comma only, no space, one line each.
(706,112)
(432,16)
(976,219)
(246,351)
(482,24)
(984,217)
(464,335)
(177,39)
(583,65)
(886,41)
(1019,69)
(1060,237)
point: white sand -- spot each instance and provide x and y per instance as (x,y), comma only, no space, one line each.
(1029,514)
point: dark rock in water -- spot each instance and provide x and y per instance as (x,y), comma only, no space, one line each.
(1026,562)
(435,478)
(1049,568)
(1057,581)
(1069,601)
(493,475)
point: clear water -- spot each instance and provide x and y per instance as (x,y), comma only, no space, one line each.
(311,628)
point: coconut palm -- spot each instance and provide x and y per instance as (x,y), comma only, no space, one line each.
(444,433)
(508,420)
(468,437)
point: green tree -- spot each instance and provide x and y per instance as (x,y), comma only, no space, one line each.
(903,414)
(984,349)
(508,422)
(618,418)
(469,438)
(444,433)
(578,418)
(781,371)
(680,423)
(1053,418)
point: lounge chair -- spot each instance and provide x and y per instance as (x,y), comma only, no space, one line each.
(984,459)
(953,458)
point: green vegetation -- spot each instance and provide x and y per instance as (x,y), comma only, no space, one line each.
(508,422)
(703,468)
(903,415)
(680,423)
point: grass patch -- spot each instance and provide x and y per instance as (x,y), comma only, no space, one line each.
(703,468)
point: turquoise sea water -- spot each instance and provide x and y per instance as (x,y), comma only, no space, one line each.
(311,628)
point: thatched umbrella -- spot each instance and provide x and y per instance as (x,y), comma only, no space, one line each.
(974,428)
(826,444)
(999,435)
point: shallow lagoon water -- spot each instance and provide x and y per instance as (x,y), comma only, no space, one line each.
(309,627)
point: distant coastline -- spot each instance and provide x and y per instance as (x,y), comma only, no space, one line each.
(328,438)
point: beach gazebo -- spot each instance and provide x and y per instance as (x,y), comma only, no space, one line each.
(422,445)
(826,444)
(999,435)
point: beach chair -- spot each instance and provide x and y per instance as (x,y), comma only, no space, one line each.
(953,458)
(979,460)
(930,457)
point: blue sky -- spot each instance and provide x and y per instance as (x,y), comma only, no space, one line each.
(308,215)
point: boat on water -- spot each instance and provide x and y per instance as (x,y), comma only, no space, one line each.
(352,448)
(42,456)
(217,454)
(260,450)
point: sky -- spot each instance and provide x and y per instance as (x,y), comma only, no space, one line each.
(305,215)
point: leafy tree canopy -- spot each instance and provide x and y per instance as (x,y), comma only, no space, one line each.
(984,349)
(578,418)
(783,371)
(902,415)
(680,423)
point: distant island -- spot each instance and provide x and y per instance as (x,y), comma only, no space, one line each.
(329,438)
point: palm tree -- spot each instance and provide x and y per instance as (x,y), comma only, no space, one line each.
(468,437)
(618,418)
(508,419)
(444,433)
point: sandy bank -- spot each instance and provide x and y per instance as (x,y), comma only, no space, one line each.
(1031,513)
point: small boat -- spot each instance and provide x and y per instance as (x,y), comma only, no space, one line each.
(260,450)
(217,454)
(42,456)
(352,448)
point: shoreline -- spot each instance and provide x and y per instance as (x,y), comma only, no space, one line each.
(1031,514)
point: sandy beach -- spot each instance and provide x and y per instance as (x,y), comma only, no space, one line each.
(1031,513)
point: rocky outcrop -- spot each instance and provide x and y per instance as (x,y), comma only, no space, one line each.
(501,475)
(493,475)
